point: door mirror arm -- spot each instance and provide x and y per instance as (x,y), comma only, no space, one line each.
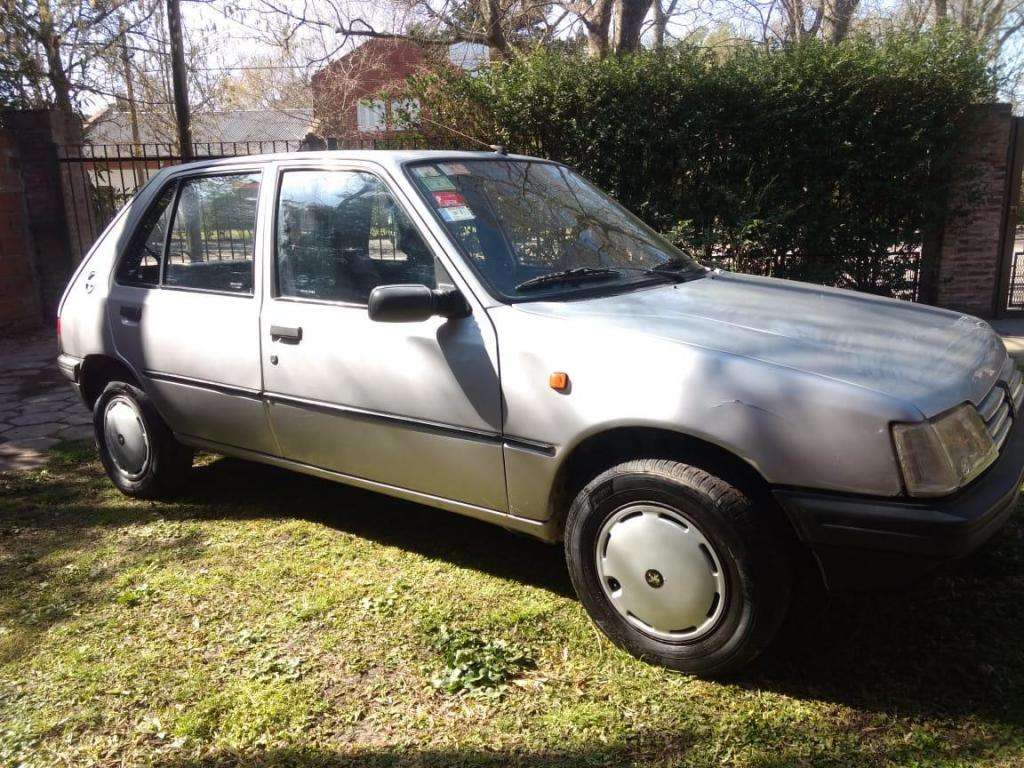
(415,303)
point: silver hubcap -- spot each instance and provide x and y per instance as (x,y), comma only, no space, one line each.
(125,436)
(660,572)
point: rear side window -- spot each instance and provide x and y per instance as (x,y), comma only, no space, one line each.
(141,262)
(212,239)
(340,234)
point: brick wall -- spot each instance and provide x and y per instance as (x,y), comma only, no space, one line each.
(19,291)
(969,258)
(338,88)
(36,258)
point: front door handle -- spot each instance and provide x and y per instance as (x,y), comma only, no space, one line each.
(284,333)
(132,313)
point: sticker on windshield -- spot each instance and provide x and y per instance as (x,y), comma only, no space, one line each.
(426,171)
(454,169)
(438,183)
(459,213)
(449,200)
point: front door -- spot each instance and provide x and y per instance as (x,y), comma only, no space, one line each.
(411,405)
(184,308)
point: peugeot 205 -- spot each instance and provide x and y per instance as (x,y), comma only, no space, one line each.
(491,335)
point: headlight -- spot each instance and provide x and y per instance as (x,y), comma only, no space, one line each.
(940,456)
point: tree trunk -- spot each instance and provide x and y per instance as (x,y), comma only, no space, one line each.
(54,66)
(660,24)
(491,12)
(941,9)
(794,11)
(841,19)
(129,88)
(598,23)
(629,19)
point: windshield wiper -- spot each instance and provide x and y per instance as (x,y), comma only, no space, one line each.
(576,274)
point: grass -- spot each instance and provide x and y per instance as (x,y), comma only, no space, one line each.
(277,620)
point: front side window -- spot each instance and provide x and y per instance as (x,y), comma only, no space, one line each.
(340,234)
(140,265)
(536,230)
(212,240)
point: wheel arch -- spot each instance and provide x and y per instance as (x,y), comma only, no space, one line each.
(99,370)
(609,447)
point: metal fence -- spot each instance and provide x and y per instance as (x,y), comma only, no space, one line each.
(1015,289)
(100,178)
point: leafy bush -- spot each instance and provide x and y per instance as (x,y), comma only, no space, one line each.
(812,161)
(475,664)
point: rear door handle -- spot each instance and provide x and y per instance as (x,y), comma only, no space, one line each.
(284,333)
(131,312)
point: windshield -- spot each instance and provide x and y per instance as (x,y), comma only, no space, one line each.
(534,229)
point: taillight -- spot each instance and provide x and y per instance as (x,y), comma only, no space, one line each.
(58,334)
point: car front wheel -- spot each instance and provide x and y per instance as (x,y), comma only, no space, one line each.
(137,449)
(678,566)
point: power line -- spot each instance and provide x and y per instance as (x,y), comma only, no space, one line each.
(240,67)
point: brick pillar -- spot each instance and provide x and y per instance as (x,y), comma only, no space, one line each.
(967,272)
(19,290)
(37,134)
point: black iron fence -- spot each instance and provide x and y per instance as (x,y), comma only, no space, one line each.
(100,178)
(1015,289)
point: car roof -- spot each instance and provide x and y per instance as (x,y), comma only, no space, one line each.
(390,157)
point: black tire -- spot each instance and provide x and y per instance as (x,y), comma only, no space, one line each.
(167,462)
(754,557)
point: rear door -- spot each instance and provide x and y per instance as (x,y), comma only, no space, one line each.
(184,307)
(412,405)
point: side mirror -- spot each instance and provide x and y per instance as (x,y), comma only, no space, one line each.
(414,303)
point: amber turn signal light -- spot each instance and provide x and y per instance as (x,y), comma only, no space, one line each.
(559,381)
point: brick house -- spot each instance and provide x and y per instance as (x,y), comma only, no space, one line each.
(347,93)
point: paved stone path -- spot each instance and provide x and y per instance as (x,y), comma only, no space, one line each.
(38,406)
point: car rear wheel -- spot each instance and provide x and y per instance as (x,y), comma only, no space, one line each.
(136,447)
(678,566)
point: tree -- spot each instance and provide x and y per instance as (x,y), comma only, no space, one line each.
(58,50)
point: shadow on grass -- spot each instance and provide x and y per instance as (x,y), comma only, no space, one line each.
(948,647)
(644,747)
(234,487)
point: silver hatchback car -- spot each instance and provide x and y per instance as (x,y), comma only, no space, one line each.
(491,335)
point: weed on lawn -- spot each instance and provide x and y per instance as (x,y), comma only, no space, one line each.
(269,619)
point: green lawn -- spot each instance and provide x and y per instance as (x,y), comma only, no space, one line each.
(273,619)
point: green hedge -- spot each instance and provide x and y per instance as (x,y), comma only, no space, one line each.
(813,161)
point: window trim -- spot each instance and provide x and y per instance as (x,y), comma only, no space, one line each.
(182,180)
(274,292)
(178,178)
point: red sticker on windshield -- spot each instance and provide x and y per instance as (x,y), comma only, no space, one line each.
(449,199)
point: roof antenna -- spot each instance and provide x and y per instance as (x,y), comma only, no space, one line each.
(498,149)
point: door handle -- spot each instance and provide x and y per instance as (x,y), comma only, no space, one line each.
(131,312)
(284,333)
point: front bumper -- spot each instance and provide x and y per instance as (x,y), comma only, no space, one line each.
(861,542)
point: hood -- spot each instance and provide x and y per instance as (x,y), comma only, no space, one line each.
(929,358)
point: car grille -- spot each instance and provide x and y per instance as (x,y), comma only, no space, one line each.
(1002,404)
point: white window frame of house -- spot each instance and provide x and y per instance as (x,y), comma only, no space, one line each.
(469,56)
(400,105)
(371,116)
